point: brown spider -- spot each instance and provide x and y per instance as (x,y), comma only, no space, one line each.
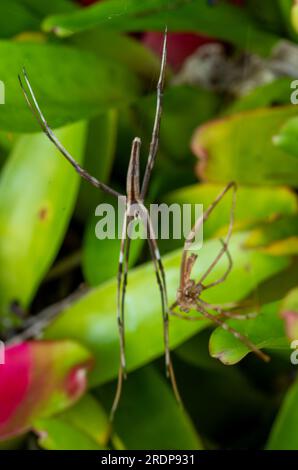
(189,291)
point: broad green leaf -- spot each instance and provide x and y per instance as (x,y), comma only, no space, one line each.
(288,246)
(275,288)
(75,89)
(12,444)
(56,434)
(286,8)
(265,204)
(287,138)
(49,8)
(92,319)
(274,93)
(241,148)
(224,22)
(38,379)
(122,49)
(15,18)
(22,16)
(89,416)
(277,237)
(7,141)
(83,426)
(284,435)
(265,331)
(155,420)
(269,15)
(294,17)
(37,195)
(195,353)
(289,312)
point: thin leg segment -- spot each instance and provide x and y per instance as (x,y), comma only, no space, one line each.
(223,251)
(216,319)
(121,291)
(161,280)
(34,107)
(156,127)
(224,243)
(197,226)
(235,333)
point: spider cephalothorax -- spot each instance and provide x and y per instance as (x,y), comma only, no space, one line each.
(188,294)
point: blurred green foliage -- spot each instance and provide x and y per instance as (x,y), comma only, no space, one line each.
(97,84)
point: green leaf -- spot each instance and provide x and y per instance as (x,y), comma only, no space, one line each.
(287,138)
(89,416)
(49,8)
(56,434)
(265,331)
(274,93)
(269,15)
(7,141)
(278,237)
(85,426)
(75,90)
(12,444)
(226,153)
(289,312)
(19,16)
(147,398)
(33,214)
(287,9)
(284,435)
(15,18)
(294,17)
(224,22)
(92,319)
(122,49)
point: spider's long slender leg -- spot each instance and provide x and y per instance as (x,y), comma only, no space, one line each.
(184,316)
(223,251)
(160,276)
(225,242)
(215,319)
(133,192)
(121,291)
(237,316)
(223,306)
(36,111)
(228,310)
(161,281)
(156,127)
(191,236)
(222,314)
(235,333)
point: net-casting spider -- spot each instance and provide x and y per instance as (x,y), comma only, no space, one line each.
(134,209)
(189,291)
